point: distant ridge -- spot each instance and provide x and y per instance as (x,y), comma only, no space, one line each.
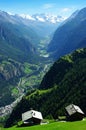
(70,35)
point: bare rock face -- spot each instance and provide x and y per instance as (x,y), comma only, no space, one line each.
(10,73)
(10,70)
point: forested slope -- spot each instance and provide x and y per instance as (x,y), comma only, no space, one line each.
(65,83)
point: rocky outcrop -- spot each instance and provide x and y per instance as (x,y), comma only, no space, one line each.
(10,73)
(9,70)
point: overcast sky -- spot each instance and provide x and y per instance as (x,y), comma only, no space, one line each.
(57,7)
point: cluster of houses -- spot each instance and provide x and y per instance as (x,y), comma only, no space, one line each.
(32,117)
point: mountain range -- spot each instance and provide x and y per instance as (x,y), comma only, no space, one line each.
(20,35)
(69,35)
(43,18)
(43,24)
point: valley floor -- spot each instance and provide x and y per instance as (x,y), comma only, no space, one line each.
(79,125)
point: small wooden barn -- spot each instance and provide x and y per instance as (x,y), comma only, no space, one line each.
(32,117)
(74,113)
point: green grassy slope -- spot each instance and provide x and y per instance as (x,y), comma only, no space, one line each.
(80,125)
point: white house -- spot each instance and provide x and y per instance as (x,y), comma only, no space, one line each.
(32,117)
(74,113)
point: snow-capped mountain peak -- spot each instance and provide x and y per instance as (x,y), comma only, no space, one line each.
(43,18)
(49,18)
(26,16)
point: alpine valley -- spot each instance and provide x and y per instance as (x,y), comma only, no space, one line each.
(32,63)
(23,62)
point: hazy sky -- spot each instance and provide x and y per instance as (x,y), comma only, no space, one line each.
(57,7)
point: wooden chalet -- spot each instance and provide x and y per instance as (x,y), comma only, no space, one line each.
(32,117)
(74,113)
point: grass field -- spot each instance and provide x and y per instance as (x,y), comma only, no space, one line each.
(80,125)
